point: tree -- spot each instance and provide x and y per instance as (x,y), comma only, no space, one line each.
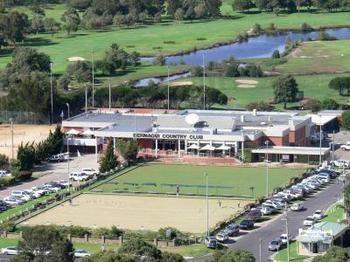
(341,84)
(200,11)
(330,104)
(242,5)
(346,120)
(37,24)
(44,243)
(285,90)
(311,104)
(71,20)
(109,256)
(136,247)
(128,149)
(334,253)
(233,255)
(4,162)
(26,156)
(260,106)
(171,257)
(276,54)
(81,5)
(159,60)
(81,71)
(14,26)
(51,25)
(109,160)
(179,14)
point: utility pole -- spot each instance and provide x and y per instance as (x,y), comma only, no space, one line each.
(207,202)
(93,78)
(333,142)
(51,93)
(204,86)
(68,111)
(267,168)
(168,88)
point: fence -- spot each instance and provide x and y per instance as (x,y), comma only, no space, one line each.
(22,117)
(117,241)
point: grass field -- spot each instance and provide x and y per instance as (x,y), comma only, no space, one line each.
(224,181)
(318,57)
(150,39)
(315,86)
(281,256)
(139,212)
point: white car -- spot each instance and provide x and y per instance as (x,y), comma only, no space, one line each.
(13,201)
(297,207)
(318,215)
(79,177)
(81,253)
(284,239)
(341,163)
(221,237)
(21,194)
(51,188)
(9,251)
(309,221)
(346,146)
(89,171)
(266,210)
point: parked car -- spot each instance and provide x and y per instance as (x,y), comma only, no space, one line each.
(266,210)
(21,194)
(232,229)
(346,146)
(309,221)
(340,163)
(32,194)
(51,189)
(79,253)
(318,215)
(211,242)
(13,201)
(246,224)
(41,190)
(79,177)
(284,239)
(89,171)
(254,214)
(13,251)
(275,245)
(222,236)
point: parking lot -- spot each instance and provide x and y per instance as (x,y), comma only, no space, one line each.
(53,172)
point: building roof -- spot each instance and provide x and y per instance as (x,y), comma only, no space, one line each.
(293,150)
(321,232)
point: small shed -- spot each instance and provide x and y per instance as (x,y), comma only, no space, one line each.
(319,237)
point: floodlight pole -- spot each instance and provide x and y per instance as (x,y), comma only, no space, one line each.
(68,110)
(287,232)
(51,93)
(267,168)
(168,88)
(109,94)
(320,158)
(207,202)
(86,99)
(12,150)
(68,170)
(204,85)
(93,78)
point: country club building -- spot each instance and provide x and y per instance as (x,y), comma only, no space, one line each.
(207,135)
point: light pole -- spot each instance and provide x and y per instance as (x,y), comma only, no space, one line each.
(320,158)
(207,202)
(86,99)
(93,78)
(267,168)
(12,150)
(51,93)
(68,110)
(287,233)
(109,94)
(68,170)
(168,88)
(204,86)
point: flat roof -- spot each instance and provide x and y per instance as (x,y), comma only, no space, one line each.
(293,150)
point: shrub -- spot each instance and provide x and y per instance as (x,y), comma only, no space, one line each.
(257,29)
(276,54)
(346,119)
(330,104)
(306,27)
(260,106)
(311,104)
(324,36)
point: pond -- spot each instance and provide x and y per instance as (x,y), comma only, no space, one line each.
(255,47)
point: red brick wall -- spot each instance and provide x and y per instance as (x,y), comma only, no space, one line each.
(297,137)
(145,143)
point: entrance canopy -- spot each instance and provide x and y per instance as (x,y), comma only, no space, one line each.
(223,147)
(208,147)
(292,150)
(73,132)
(193,146)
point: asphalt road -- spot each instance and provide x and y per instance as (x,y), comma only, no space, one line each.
(321,200)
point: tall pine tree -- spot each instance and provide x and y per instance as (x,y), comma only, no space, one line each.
(109,160)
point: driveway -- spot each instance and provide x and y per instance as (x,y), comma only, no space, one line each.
(53,171)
